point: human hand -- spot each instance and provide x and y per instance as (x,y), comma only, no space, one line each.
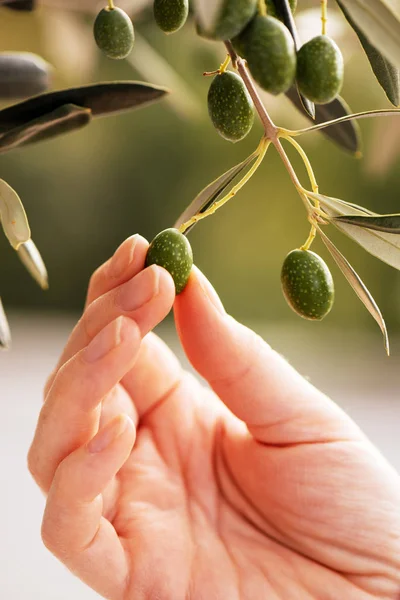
(160,488)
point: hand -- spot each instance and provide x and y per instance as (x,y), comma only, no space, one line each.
(160,488)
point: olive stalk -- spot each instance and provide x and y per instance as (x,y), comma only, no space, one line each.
(324,9)
(111,4)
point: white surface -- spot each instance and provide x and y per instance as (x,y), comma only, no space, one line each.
(355,372)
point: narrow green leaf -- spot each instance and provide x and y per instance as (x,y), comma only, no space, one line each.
(346,135)
(385,246)
(102,99)
(22,5)
(211,192)
(62,120)
(22,74)
(13,216)
(358,286)
(387,223)
(387,74)
(381,112)
(32,260)
(5,335)
(379,20)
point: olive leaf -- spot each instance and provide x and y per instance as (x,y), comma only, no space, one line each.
(385,246)
(358,286)
(13,216)
(211,192)
(62,120)
(23,74)
(284,11)
(379,20)
(387,74)
(32,260)
(367,114)
(24,5)
(345,134)
(386,223)
(5,335)
(102,99)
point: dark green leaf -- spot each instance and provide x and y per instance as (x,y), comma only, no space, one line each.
(211,192)
(62,120)
(346,135)
(358,286)
(23,5)
(101,99)
(22,74)
(387,223)
(381,112)
(386,73)
(284,12)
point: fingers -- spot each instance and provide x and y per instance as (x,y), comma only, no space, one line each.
(257,384)
(73,527)
(70,416)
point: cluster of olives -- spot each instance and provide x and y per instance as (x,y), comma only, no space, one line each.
(113,29)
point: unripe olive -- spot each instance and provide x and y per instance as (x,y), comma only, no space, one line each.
(271,10)
(320,69)
(171,15)
(232,17)
(171,249)
(113,32)
(268,47)
(307,284)
(230,106)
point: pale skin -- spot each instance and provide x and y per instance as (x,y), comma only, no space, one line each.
(159,488)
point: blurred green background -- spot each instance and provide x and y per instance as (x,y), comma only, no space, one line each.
(85,192)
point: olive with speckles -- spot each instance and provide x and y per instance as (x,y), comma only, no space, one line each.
(114,33)
(171,249)
(272,12)
(230,106)
(268,47)
(320,70)
(307,284)
(170,15)
(231,18)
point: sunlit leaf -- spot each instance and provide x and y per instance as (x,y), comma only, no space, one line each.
(386,73)
(62,120)
(13,217)
(382,112)
(379,20)
(5,335)
(358,286)
(102,99)
(31,258)
(22,74)
(346,134)
(385,246)
(211,192)
(387,223)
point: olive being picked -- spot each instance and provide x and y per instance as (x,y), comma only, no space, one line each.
(171,249)
(230,106)
(307,284)
(114,33)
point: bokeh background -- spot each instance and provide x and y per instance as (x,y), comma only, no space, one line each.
(85,192)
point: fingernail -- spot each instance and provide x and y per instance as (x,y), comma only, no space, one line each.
(108,435)
(104,342)
(122,258)
(210,292)
(139,290)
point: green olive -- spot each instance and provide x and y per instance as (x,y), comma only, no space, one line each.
(307,284)
(230,106)
(171,15)
(272,12)
(231,18)
(171,249)
(114,33)
(268,47)
(320,69)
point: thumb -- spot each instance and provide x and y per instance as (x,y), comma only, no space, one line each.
(255,382)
